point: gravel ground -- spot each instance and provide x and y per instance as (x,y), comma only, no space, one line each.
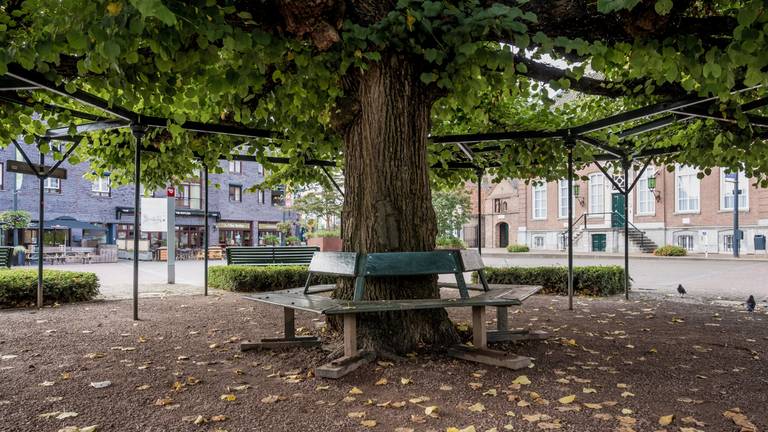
(627,363)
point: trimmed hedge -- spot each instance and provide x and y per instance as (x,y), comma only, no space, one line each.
(588,280)
(448,242)
(262,278)
(517,248)
(18,287)
(670,251)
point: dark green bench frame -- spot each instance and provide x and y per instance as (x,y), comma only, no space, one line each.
(362,266)
(270,255)
(6,255)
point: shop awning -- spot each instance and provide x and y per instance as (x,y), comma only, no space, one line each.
(68,222)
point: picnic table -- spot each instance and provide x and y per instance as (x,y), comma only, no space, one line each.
(361,266)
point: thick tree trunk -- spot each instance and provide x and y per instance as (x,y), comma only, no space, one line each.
(388,206)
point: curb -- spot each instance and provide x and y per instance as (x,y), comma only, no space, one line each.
(618,256)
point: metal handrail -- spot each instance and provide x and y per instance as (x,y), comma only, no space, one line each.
(586,216)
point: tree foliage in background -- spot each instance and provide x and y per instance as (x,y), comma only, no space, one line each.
(14,219)
(323,204)
(453,208)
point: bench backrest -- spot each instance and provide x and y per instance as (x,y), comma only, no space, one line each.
(361,266)
(246,255)
(6,252)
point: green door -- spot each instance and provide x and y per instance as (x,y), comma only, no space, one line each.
(598,242)
(617,207)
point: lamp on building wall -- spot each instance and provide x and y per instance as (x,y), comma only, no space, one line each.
(652,187)
(577,193)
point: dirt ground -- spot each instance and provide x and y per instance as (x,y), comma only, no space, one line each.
(610,365)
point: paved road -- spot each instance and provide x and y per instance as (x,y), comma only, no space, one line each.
(730,280)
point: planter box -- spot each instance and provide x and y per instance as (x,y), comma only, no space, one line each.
(326,244)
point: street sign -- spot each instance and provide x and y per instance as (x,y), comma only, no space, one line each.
(23,168)
(170,191)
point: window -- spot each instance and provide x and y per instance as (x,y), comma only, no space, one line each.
(563,194)
(540,201)
(538,241)
(497,205)
(726,192)
(101,187)
(2,176)
(687,187)
(260,169)
(261,197)
(685,241)
(646,199)
(728,243)
(52,185)
(597,193)
(236,167)
(188,195)
(235,193)
(504,207)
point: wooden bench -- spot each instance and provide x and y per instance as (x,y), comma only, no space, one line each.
(6,254)
(270,255)
(362,266)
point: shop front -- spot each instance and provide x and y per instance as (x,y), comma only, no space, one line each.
(267,229)
(235,233)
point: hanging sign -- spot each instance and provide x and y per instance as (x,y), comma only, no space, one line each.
(154,214)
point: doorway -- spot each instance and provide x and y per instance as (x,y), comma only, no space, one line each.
(503,234)
(617,210)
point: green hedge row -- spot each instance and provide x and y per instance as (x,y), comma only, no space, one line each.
(517,248)
(589,280)
(257,278)
(670,251)
(18,287)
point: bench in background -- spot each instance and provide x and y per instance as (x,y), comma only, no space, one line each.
(361,266)
(6,254)
(270,255)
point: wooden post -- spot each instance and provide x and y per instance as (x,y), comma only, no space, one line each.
(479,336)
(501,319)
(350,335)
(290,323)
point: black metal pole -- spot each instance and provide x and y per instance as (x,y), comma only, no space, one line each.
(480,211)
(138,134)
(40,231)
(736,233)
(625,165)
(570,144)
(207,229)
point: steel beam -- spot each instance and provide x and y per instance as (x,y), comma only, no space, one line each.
(17,100)
(87,127)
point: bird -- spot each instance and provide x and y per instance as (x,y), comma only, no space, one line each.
(680,290)
(751,304)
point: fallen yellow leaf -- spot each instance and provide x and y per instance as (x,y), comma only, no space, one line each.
(666,420)
(567,399)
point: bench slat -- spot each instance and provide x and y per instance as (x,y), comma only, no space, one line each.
(411,263)
(309,303)
(416,304)
(334,263)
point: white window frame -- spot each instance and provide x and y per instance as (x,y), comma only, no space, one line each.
(726,192)
(536,240)
(693,241)
(238,193)
(49,184)
(235,167)
(2,175)
(539,212)
(686,176)
(98,186)
(594,200)
(645,195)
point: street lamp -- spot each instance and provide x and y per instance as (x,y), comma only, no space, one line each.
(652,183)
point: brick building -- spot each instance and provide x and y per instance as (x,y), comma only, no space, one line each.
(235,216)
(680,210)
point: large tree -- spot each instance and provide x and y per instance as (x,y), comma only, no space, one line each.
(368,81)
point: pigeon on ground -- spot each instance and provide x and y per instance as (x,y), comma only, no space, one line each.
(680,290)
(751,304)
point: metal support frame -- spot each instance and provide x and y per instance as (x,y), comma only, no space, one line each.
(206,235)
(625,167)
(570,143)
(40,231)
(138,134)
(736,231)
(480,173)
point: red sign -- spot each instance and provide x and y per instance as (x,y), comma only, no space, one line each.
(170,191)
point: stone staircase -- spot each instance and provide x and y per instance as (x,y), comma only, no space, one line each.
(640,240)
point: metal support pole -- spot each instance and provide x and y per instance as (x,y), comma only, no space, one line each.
(625,166)
(570,144)
(138,134)
(479,211)
(736,232)
(40,231)
(207,229)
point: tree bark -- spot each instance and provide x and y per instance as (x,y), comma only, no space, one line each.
(388,206)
